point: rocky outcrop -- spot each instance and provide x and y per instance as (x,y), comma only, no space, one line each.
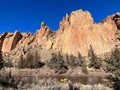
(27,40)
(2,39)
(76,33)
(116,19)
(10,41)
(44,37)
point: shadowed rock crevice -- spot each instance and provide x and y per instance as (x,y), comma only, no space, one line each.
(116,18)
(2,39)
(16,38)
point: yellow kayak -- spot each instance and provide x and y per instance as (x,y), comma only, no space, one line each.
(64,79)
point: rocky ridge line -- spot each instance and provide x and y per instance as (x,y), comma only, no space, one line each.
(76,33)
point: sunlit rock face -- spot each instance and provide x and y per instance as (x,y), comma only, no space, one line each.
(44,37)
(76,33)
(9,41)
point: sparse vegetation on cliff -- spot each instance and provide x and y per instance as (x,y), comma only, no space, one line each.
(21,62)
(8,64)
(31,61)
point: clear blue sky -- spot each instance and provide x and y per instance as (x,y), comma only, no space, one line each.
(26,15)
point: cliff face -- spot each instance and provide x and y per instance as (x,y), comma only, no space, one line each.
(9,41)
(76,33)
(44,37)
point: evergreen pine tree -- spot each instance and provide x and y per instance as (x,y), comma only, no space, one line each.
(82,63)
(1,61)
(21,62)
(113,68)
(94,61)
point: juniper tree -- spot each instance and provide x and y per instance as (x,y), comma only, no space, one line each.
(81,62)
(21,62)
(31,61)
(1,61)
(57,63)
(94,60)
(81,59)
(72,61)
(113,68)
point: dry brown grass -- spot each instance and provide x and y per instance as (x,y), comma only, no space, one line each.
(47,83)
(54,84)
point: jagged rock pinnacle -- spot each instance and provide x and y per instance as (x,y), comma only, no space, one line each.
(77,32)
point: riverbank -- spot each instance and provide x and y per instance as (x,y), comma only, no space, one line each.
(50,73)
(55,84)
(44,78)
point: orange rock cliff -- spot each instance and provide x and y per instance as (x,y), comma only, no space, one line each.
(76,33)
